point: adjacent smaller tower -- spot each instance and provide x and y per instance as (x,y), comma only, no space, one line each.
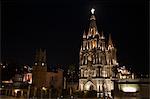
(39,69)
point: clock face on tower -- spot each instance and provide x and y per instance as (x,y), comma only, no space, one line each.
(35,64)
(43,64)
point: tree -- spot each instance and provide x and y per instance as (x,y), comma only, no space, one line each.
(71,72)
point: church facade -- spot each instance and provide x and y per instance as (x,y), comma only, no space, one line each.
(97,59)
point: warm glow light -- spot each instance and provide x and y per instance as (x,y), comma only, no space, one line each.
(94,44)
(92,10)
(81,85)
(35,63)
(87,87)
(28,77)
(25,66)
(42,64)
(10,81)
(43,88)
(129,89)
(16,90)
(4,66)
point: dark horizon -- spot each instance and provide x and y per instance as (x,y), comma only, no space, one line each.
(58,26)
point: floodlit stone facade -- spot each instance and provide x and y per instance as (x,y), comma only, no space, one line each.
(97,58)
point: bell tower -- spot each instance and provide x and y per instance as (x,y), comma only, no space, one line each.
(39,69)
(40,59)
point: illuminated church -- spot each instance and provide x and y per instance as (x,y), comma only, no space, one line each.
(97,59)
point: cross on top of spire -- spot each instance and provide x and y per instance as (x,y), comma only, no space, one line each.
(92,10)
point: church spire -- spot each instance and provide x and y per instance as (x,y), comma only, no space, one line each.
(92,16)
(110,41)
(92,27)
(84,34)
(40,57)
(102,35)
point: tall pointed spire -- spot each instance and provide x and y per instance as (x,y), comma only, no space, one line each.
(44,55)
(84,34)
(92,27)
(110,41)
(40,55)
(93,16)
(102,35)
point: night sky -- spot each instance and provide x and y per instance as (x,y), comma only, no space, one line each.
(58,25)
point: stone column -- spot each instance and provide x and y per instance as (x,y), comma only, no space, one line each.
(50,93)
(98,95)
(28,92)
(22,93)
(35,91)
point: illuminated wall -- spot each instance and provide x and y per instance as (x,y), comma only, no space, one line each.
(27,78)
(128,87)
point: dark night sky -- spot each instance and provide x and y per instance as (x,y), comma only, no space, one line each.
(57,26)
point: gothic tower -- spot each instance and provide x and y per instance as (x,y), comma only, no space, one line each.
(97,58)
(39,69)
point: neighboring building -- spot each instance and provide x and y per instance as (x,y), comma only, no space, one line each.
(31,81)
(132,88)
(6,87)
(14,86)
(44,80)
(124,73)
(19,88)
